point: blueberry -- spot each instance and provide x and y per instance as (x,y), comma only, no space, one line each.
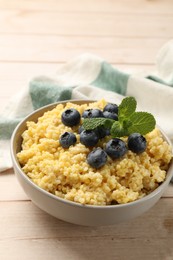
(102,132)
(70,117)
(116,148)
(67,139)
(92,113)
(113,108)
(108,131)
(111,115)
(80,129)
(97,158)
(137,143)
(89,138)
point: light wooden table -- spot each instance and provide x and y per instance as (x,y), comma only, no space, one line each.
(36,37)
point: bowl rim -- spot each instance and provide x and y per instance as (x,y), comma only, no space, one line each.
(72,203)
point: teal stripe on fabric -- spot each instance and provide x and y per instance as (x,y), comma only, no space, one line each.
(7,127)
(45,91)
(111,79)
(158,80)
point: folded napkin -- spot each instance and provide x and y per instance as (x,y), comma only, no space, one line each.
(90,77)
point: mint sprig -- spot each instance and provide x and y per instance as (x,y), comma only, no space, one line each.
(128,122)
(126,108)
(93,123)
(142,122)
(117,130)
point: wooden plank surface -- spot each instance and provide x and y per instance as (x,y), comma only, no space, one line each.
(153,7)
(36,235)
(36,38)
(87,23)
(53,48)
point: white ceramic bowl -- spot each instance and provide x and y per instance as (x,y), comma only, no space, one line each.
(74,212)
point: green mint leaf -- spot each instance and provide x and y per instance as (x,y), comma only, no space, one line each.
(92,123)
(117,130)
(126,108)
(142,122)
(126,123)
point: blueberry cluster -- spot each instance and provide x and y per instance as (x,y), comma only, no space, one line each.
(115,148)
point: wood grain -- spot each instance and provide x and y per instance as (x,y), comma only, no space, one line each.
(10,189)
(40,236)
(124,6)
(90,24)
(53,48)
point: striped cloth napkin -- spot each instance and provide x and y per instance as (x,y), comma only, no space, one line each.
(90,77)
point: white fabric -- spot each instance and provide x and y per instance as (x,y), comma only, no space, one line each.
(164,62)
(158,102)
